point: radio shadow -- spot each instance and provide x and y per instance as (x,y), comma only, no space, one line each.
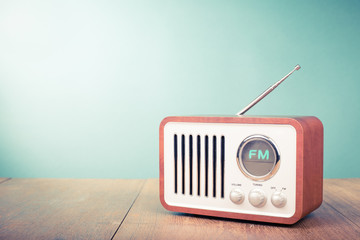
(299,224)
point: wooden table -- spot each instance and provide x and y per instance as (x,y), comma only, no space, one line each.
(130,209)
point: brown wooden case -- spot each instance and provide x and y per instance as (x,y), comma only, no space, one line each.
(309,164)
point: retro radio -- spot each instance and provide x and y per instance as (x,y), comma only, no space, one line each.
(263,168)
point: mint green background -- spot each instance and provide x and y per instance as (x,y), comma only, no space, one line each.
(85,84)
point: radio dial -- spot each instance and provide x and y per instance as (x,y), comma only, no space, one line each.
(257,198)
(278,199)
(237,196)
(258,157)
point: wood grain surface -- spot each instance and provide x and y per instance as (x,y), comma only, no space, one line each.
(130,209)
(4,179)
(344,196)
(64,208)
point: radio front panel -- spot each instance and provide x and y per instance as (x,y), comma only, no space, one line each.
(231,167)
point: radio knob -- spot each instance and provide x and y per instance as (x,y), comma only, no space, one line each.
(278,199)
(237,196)
(257,198)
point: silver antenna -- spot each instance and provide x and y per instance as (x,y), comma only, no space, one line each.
(267,91)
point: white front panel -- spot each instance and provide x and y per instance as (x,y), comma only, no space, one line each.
(284,180)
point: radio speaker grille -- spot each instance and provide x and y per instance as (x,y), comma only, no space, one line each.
(190,150)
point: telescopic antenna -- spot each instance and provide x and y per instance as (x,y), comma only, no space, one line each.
(267,91)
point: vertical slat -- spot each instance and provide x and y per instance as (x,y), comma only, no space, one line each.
(191,164)
(198,152)
(206,165)
(222,166)
(183,163)
(175,162)
(214,155)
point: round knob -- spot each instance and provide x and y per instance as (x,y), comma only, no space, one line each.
(237,196)
(257,198)
(278,199)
